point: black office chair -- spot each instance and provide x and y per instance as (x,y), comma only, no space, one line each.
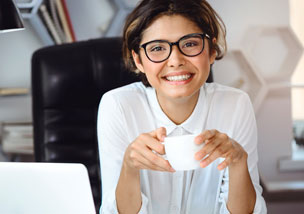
(67,84)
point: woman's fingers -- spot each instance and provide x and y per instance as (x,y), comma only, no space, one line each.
(218,152)
(212,144)
(143,152)
(152,143)
(156,160)
(218,145)
(205,136)
(159,134)
(142,162)
(225,163)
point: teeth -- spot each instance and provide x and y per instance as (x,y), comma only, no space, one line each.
(178,78)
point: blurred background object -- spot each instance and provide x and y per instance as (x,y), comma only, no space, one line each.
(10,19)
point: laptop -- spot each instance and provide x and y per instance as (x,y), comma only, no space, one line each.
(45,188)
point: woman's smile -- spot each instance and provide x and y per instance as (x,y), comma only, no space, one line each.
(178,78)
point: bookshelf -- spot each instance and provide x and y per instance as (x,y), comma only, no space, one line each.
(106,18)
(29,11)
(50,20)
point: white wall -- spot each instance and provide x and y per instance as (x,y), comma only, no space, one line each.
(16,49)
(240,16)
(274,115)
(296,20)
(274,118)
(90,19)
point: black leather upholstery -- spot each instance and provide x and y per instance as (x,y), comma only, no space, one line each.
(67,84)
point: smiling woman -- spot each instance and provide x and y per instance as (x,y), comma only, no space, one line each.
(167,74)
(172,45)
(203,16)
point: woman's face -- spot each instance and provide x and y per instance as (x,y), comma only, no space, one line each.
(179,76)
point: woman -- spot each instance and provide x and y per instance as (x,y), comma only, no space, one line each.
(172,45)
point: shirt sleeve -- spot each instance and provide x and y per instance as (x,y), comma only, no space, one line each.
(245,134)
(112,143)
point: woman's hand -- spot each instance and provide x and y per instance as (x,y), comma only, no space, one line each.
(217,145)
(143,152)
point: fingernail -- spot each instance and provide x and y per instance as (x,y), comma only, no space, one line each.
(197,140)
(162,137)
(172,170)
(203,164)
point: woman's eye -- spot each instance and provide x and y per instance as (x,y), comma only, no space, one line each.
(157,49)
(190,44)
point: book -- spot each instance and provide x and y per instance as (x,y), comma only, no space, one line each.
(68,18)
(64,21)
(49,23)
(55,17)
(41,29)
(17,138)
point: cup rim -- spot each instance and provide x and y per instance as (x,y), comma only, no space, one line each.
(179,136)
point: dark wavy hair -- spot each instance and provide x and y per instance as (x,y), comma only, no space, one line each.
(198,11)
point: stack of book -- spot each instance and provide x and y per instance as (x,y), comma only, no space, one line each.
(17,138)
(53,14)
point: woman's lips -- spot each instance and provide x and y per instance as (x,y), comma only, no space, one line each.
(178,78)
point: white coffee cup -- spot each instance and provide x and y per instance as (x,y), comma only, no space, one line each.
(180,152)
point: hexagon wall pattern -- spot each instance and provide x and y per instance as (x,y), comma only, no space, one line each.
(262,42)
(236,71)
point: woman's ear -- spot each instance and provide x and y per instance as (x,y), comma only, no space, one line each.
(213,53)
(137,61)
(212,56)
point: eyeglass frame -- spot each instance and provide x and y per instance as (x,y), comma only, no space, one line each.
(171,44)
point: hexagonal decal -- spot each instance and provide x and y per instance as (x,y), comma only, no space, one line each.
(235,70)
(274,51)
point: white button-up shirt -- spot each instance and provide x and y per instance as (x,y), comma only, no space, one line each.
(129,111)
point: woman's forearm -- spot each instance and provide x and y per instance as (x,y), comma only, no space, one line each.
(241,196)
(128,194)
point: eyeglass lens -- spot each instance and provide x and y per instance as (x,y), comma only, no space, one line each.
(160,50)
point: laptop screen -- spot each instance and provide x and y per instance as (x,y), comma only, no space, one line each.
(48,188)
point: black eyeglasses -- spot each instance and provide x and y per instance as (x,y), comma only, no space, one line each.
(189,45)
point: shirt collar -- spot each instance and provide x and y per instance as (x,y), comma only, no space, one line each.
(194,124)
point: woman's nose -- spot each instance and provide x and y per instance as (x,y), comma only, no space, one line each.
(176,58)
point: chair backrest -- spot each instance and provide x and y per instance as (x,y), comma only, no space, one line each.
(67,84)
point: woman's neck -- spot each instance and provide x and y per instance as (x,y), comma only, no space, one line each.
(178,110)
